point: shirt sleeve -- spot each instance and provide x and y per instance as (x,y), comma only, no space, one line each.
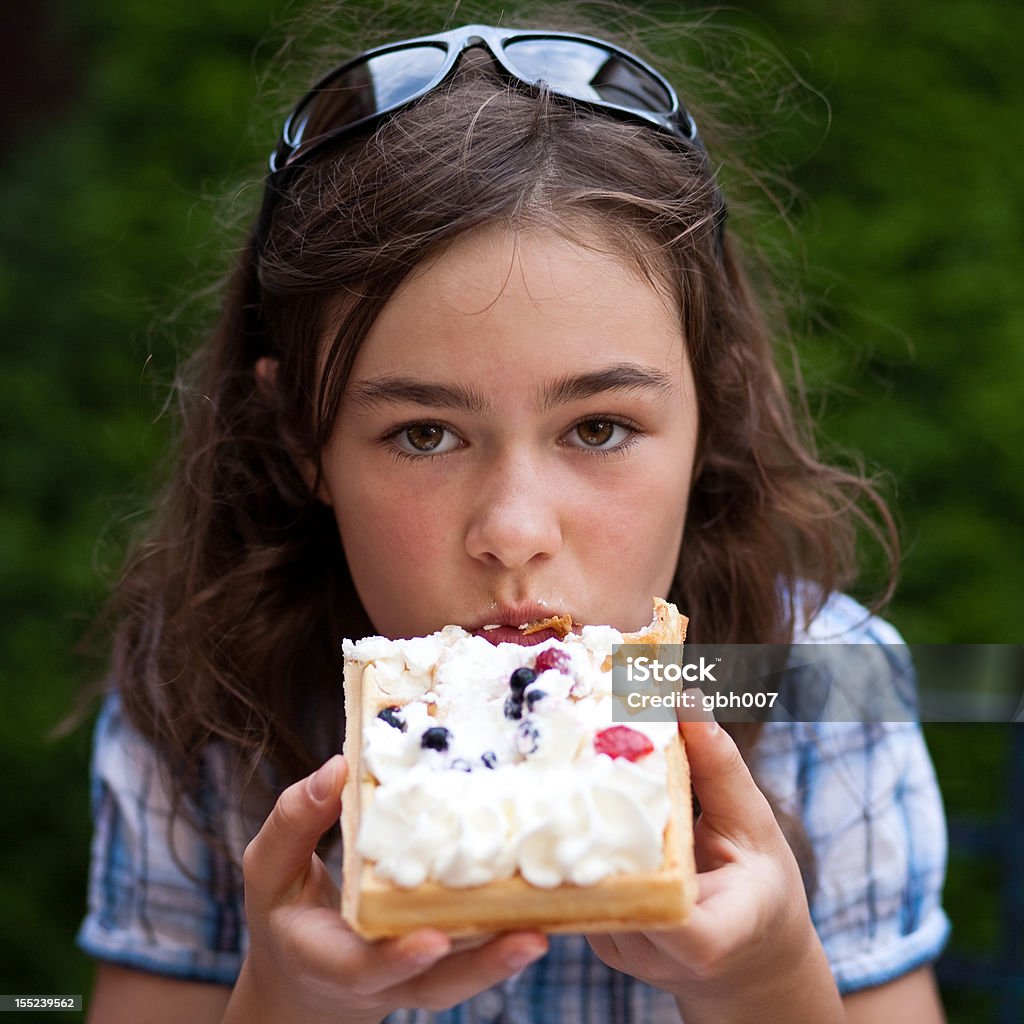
(875,820)
(868,799)
(174,912)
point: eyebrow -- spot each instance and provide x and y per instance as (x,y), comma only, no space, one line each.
(620,377)
(392,390)
(570,388)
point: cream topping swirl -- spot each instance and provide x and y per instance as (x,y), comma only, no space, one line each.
(505,794)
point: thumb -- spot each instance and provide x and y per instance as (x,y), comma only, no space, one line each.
(730,802)
(280,854)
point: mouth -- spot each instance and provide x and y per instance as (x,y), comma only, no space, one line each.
(511,635)
(507,625)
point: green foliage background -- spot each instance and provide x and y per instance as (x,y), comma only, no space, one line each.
(904,143)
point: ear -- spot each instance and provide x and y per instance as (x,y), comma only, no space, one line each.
(266,370)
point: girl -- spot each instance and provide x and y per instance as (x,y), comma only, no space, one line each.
(489,354)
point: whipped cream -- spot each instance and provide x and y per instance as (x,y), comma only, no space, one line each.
(473,788)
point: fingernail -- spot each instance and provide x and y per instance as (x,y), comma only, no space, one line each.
(521,957)
(321,783)
(427,956)
(421,955)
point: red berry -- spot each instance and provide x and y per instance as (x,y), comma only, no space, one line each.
(621,741)
(555,658)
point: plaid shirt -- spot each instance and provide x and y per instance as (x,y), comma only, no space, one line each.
(865,793)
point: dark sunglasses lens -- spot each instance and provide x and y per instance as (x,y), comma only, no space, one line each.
(588,72)
(375,84)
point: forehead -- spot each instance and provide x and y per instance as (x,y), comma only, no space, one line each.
(496,297)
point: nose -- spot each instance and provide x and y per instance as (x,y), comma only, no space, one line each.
(514,515)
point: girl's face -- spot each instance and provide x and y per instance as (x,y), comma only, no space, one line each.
(516,441)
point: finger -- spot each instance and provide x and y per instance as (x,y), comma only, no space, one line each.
(624,950)
(693,709)
(462,975)
(730,802)
(719,915)
(725,912)
(423,964)
(367,968)
(660,958)
(605,949)
(281,854)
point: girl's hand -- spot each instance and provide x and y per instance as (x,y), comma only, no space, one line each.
(748,951)
(306,965)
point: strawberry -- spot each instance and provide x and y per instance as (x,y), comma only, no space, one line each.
(553,657)
(621,741)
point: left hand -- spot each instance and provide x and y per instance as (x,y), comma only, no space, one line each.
(749,937)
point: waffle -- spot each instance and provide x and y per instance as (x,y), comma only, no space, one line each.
(625,900)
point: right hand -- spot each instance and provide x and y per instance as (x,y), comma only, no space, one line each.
(306,966)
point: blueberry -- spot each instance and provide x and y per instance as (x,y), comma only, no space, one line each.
(521,679)
(489,758)
(461,765)
(532,697)
(435,738)
(527,738)
(514,707)
(393,716)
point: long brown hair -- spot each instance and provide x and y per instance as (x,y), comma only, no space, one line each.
(231,609)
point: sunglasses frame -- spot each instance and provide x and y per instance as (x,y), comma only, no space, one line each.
(675,121)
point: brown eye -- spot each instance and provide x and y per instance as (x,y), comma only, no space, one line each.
(425,437)
(601,436)
(596,433)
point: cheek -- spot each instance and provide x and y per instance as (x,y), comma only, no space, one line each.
(647,523)
(383,521)
(645,519)
(391,533)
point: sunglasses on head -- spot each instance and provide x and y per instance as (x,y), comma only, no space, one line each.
(388,78)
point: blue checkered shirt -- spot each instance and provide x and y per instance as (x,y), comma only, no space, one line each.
(865,793)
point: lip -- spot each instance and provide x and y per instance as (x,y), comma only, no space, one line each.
(512,635)
(509,618)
